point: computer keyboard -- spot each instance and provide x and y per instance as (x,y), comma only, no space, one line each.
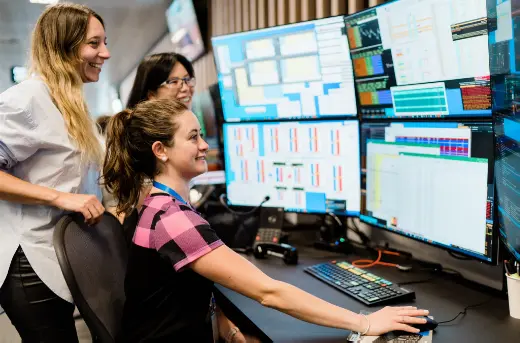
(366,287)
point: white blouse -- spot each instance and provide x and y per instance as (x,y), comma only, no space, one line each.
(35,147)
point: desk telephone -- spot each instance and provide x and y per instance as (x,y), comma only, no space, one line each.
(270,238)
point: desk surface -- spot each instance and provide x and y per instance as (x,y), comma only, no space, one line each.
(444,298)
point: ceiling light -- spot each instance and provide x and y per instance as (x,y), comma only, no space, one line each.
(45,2)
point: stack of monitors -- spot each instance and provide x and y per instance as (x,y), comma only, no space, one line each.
(291,130)
(401,131)
(505,74)
(423,83)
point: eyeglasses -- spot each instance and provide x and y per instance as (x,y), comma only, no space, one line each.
(176,82)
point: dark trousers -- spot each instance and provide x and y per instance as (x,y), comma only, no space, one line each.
(39,315)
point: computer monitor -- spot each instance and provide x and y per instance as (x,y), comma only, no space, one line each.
(303,166)
(18,74)
(431,181)
(292,71)
(504,56)
(421,59)
(508,182)
(504,28)
(505,70)
(185,33)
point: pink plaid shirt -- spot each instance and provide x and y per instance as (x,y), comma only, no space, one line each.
(174,230)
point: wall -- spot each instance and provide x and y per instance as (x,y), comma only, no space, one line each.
(7,61)
(229,16)
(163,45)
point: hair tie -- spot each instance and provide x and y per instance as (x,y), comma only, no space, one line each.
(128,114)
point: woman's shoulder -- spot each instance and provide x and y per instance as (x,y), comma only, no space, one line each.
(155,205)
(162,205)
(25,95)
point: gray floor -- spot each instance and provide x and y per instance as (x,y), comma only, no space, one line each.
(8,333)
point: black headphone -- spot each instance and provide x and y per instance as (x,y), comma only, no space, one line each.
(331,228)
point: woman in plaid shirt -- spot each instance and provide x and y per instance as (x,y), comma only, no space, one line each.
(176,257)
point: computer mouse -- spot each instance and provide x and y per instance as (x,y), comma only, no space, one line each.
(429,325)
(426,327)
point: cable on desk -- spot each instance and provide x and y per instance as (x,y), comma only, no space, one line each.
(465,311)
(371,263)
(223,198)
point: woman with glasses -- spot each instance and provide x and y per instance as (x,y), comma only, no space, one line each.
(163,76)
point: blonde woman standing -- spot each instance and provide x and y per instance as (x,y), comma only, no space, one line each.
(49,157)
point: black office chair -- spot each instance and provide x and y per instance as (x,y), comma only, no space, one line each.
(93,260)
(129,226)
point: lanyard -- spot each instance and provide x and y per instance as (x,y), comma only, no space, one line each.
(170,191)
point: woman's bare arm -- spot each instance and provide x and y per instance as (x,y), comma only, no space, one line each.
(14,189)
(231,270)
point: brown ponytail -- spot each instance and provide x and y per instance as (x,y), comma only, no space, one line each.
(130,160)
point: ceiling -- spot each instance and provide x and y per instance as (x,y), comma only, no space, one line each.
(132,26)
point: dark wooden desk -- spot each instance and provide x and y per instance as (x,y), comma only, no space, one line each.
(444,298)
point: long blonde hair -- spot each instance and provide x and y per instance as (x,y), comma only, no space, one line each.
(55,57)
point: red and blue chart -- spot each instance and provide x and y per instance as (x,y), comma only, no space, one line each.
(293,140)
(260,171)
(337,175)
(313,139)
(335,139)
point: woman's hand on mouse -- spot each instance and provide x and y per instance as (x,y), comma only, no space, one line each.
(391,319)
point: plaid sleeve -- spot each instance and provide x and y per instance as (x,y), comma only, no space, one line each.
(183,236)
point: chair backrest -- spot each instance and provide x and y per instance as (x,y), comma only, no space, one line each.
(93,260)
(129,226)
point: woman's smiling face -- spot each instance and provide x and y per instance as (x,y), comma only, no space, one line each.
(93,51)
